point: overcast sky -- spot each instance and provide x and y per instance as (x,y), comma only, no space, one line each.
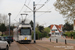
(46,19)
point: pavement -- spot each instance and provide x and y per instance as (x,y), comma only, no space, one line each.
(67,38)
(13,46)
(61,39)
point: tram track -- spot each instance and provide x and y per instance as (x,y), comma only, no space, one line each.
(38,47)
(26,47)
(31,46)
(44,48)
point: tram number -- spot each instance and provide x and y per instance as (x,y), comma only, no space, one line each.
(25,38)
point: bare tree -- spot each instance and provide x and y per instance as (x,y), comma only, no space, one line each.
(3,19)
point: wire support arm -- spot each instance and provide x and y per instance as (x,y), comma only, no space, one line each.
(28,7)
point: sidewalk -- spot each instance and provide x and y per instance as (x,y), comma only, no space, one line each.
(47,39)
(67,38)
(13,46)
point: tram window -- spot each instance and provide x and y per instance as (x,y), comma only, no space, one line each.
(25,31)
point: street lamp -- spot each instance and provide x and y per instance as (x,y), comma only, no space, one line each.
(9,22)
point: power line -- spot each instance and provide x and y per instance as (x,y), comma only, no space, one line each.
(29,2)
(39,2)
(42,5)
(44,12)
(20,10)
(28,7)
(25,1)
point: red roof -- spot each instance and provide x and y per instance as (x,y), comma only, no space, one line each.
(51,26)
(57,26)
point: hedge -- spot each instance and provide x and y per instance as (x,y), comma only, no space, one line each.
(38,35)
(69,34)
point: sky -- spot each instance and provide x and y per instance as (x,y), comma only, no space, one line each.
(16,7)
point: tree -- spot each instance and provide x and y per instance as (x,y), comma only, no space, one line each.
(68,27)
(2,28)
(3,19)
(47,30)
(66,8)
(41,28)
(31,22)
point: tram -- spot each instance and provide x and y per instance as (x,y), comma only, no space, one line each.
(22,33)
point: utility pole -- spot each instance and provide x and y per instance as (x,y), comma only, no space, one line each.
(9,22)
(34,20)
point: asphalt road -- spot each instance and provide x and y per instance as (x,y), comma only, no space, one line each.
(62,40)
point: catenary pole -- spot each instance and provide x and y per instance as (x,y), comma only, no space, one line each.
(34,20)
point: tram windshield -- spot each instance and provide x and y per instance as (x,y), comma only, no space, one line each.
(25,32)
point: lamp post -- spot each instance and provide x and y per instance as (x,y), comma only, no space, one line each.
(9,22)
(34,20)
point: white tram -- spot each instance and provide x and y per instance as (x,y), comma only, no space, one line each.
(22,33)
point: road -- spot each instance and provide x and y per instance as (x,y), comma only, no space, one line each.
(62,40)
(39,45)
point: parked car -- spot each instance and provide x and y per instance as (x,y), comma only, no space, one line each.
(3,44)
(9,38)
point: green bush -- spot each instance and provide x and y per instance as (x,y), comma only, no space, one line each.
(74,35)
(44,34)
(69,34)
(38,35)
(65,34)
(47,36)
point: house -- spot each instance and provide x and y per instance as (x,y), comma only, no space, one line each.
(56,30)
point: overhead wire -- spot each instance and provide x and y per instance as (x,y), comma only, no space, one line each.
(44,12)
(29,2)
(24,5)
(27,6)
(25,1)
(42,5)
(20,11)
(39,2)
(46,7)
(32,10)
